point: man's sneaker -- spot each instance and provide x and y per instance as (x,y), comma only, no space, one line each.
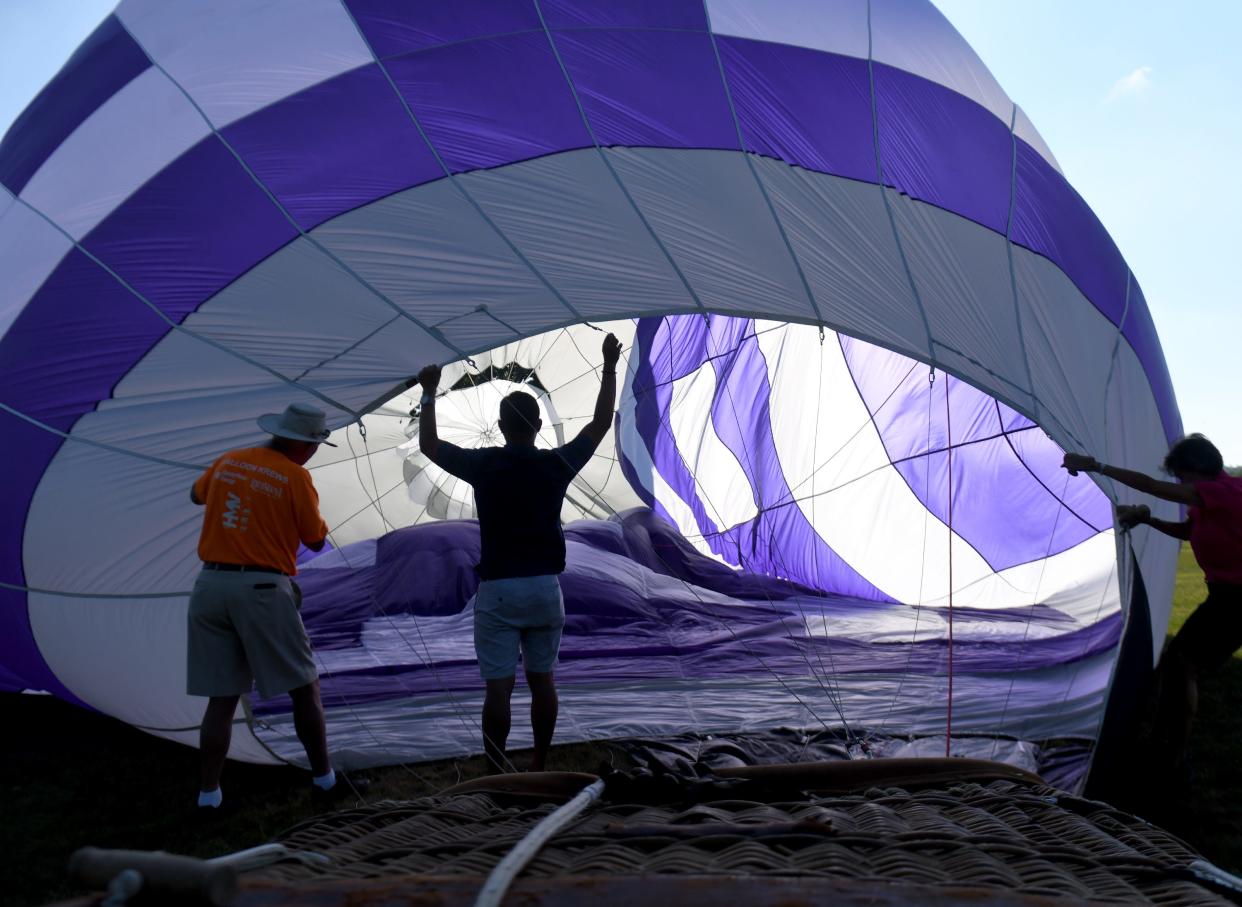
(347,789)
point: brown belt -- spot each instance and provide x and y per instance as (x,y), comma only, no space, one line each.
(241,568)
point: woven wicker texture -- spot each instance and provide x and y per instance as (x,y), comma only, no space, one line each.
(1002,836)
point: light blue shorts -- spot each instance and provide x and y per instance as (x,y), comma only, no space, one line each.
(524,613)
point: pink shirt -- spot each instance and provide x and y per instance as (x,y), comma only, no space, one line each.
(1216,529)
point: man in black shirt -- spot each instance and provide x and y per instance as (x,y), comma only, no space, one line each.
(518,491)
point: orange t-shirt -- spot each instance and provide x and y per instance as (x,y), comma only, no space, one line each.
(260,504)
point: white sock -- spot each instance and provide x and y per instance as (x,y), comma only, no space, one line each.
(212,798)
(325,782)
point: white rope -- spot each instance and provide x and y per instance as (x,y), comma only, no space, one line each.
(524,851)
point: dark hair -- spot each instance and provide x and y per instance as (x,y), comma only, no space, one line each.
(519,413)
(1194,453)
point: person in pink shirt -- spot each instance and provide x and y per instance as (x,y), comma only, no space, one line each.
(1213,526)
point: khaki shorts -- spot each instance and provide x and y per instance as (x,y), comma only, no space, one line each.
(525,613)
(245,627)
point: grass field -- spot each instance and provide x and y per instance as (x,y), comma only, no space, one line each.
(69,778)
(1211,818)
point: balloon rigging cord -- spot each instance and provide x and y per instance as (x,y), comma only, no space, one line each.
(918,605)
(834,698)
(948,427)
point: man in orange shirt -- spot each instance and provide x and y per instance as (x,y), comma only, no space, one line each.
(244,624)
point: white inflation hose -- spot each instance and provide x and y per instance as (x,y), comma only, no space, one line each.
(524,851)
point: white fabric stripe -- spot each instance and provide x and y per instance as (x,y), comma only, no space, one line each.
(141,532)
(1136,441)
(707,208)
(897,548)
(962,276)
(129,138)
(186,401)
(635,450)
(891,553)
(1025,130)
(30,250)
(437,259)
(568,216)
(127,659)
(908,34)
(1069,346)
(841,234)
(726,492)
(336,331)
(915,36)
(835,26)
(235,56)
(835,225)
(1075,581)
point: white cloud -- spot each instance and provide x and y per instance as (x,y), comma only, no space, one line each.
(1135,83)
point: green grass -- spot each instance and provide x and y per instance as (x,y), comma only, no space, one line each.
(69,778)
(1211,818)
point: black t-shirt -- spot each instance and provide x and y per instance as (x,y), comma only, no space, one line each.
(518,492)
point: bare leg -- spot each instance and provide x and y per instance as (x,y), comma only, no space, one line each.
(308,721)
(213,738)
(496,721)
(543,709)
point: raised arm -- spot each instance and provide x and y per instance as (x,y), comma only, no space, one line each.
(605,403)
(428,438)
(1177,492)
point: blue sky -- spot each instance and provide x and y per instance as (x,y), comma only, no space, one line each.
(1140,100)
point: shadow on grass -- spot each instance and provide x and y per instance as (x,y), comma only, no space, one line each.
(71,778)
(1209,815)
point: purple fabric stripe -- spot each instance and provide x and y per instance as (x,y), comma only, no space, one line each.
(652,389)
(647,88)
(828,131)
(104,63)
(70,345)
(202,222)
(1027,465)
(778,541)
(1052,219)
(190,231)
(941,147)
(394,27)
(491,102)
(684,14)
(334,147)
(21,664)
(65,352)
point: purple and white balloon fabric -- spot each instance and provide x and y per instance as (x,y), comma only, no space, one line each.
(214,211)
